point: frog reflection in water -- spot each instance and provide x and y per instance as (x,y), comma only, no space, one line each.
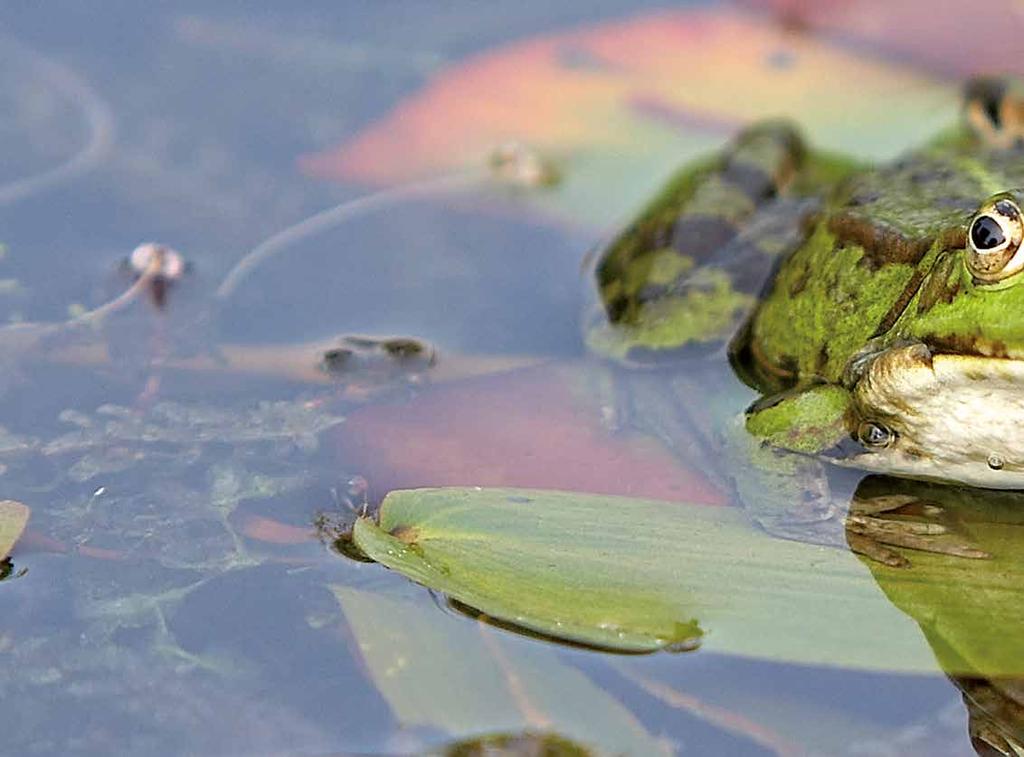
(890,337)
(968,611)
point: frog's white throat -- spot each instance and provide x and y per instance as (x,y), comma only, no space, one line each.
(953,417)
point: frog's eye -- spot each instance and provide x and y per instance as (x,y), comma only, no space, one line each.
(994,242)
(874,435)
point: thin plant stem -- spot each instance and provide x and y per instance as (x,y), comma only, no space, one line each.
(124,299)
(98,117)
(331,217)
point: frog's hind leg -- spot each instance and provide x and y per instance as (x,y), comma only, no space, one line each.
(688,268)
(994,110)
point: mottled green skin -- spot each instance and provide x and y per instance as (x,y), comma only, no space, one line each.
(877,260)
(808,281)
(885,238)
(689,267)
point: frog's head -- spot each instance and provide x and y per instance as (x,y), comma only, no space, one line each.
(944,397)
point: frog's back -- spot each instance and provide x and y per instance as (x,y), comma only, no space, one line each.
(685,272)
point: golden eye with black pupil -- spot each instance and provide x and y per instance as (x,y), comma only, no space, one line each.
(987,234)
(874,435)
(994,241)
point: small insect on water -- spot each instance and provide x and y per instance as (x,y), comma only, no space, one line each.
(164,265)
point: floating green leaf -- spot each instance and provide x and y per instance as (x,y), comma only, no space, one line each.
(640,576)
(13,519)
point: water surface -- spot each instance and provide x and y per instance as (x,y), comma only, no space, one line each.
(175,598)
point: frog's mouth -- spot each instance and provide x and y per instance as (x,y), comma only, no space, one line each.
(975,347)
(950,417)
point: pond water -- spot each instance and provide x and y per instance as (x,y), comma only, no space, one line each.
(172,593)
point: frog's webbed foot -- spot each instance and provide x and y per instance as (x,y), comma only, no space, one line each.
(876,524)
(781,482)
(811,516)
(789,496)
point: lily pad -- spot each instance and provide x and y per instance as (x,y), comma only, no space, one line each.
(13,519)
(642,576)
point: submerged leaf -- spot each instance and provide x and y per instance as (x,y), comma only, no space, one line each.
(447,673)
(907,30)
(547,744)
(540,428)
(13,519)
(640,576)
(273,531)
(623,102)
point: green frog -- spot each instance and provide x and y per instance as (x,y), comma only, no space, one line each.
(876,311)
